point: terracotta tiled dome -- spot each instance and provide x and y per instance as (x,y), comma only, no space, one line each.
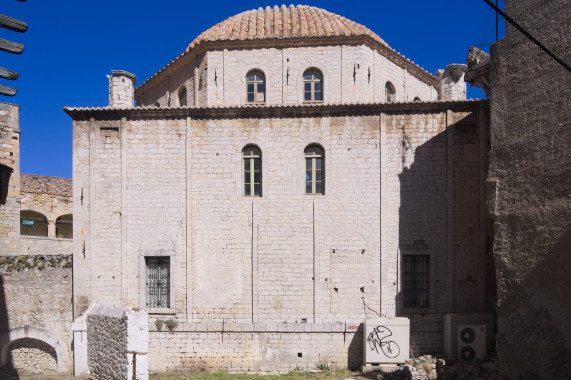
(283,22)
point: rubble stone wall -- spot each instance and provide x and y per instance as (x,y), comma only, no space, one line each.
(114,336)
(36,291)
(530,140)
(10,158)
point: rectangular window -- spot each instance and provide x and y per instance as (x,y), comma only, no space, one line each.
(158,282)
(415,281)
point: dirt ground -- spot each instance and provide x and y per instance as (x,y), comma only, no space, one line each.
(341,375)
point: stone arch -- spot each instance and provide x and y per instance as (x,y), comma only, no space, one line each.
(64,226)
(33,223)
(22,332)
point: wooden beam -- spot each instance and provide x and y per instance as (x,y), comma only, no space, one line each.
(11,47)
(13,24)
(8,74)
(8,91)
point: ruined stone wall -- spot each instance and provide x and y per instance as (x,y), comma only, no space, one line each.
(530,140)
(36,291)
(10,157)
(351,74)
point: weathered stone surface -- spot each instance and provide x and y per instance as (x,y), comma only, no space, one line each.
(116,337)
(530,140)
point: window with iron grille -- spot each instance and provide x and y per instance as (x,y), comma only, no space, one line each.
(158,282)
(415,281)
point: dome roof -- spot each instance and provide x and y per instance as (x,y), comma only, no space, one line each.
(283,22)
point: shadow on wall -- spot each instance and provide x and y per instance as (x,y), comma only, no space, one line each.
(5,373)
(440,178)
(355,350)
(533,322)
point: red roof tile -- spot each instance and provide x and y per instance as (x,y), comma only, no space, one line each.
(283,22)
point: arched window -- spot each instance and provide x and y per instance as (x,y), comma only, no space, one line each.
(390,93)
(312,86)
(64,226)
(255,87)
(416,99)
(314,170)
(33,223)
(251,171)
(156,104)
(182,97)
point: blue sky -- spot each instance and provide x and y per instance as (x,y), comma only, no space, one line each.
(71,46)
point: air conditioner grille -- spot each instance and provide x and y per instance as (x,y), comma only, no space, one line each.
(467,335)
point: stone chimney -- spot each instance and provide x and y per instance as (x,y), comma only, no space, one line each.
(121,89)
(451,85)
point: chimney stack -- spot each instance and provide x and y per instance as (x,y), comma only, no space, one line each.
(121,89)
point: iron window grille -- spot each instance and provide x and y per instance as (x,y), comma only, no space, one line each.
(415,281)
(158,282)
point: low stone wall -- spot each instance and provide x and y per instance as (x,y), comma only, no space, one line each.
(34,245)
(254,346)
(117,343)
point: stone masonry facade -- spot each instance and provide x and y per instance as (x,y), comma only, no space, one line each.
(400,179)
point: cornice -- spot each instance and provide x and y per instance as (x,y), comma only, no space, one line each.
(275,111)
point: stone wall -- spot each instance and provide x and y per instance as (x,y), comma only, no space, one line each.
(254,346)
(38,246)
(36,291)
(400,179)
(33,356)
(530,140)
(351,74)
(10,159)
(114,337)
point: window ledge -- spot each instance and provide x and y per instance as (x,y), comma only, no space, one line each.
(160,310)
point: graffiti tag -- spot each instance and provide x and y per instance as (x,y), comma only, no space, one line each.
(377,339)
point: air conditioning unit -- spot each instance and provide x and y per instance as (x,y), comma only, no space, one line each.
(471,342)
(458,330)
(386,340)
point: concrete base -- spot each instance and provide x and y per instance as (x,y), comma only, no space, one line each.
(380,368)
